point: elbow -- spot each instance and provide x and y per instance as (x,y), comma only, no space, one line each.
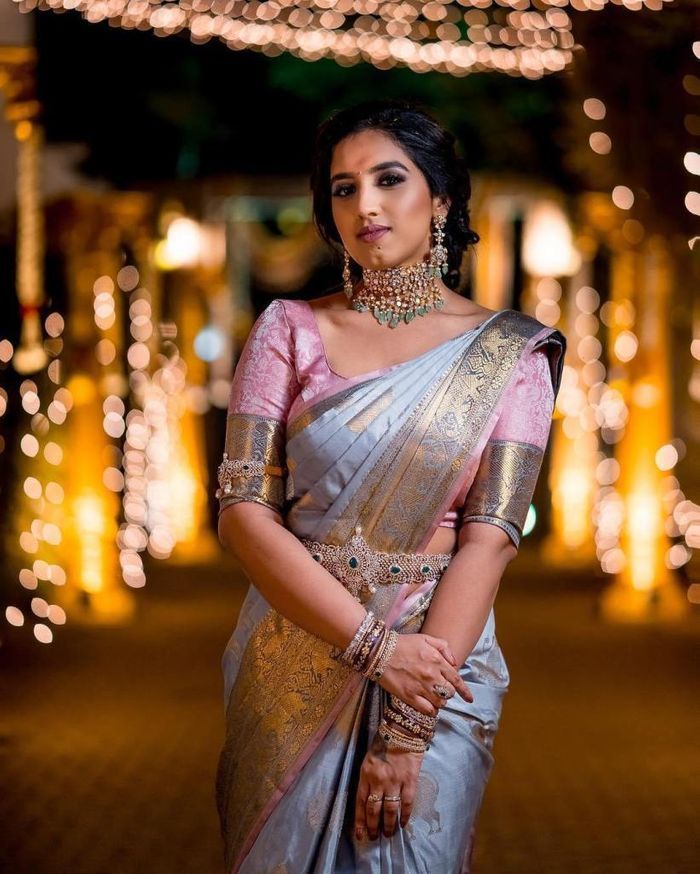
(508,551)
(239,522)
(489,535)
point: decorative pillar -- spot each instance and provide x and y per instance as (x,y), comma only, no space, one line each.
(644,587)
(17,81)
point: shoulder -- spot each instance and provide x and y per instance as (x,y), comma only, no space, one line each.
(520,325)
(271,327)
(543,347)
(283,312)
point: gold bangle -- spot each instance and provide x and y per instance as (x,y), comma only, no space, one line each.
(397,740)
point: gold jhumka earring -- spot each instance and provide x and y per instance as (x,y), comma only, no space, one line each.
(399,294)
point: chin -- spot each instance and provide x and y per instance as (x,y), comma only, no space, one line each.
(376,259)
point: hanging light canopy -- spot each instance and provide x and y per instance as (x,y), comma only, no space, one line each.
(520,37)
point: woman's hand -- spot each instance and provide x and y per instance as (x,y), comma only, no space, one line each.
(419,663)
(385,772)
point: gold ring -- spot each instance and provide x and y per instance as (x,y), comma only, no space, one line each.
(373,799)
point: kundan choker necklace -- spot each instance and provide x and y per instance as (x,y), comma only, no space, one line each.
(398,294)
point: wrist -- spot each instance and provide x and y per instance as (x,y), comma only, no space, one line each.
(370,649)
(395,739)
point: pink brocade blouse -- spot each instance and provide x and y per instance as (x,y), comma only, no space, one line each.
(283,368)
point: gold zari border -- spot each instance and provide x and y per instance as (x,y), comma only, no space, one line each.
(399,499)
(286,685)
(259,441)
(505,482)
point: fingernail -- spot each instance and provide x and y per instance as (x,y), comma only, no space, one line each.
(359,834)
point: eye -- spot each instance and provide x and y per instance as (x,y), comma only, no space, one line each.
(393,178)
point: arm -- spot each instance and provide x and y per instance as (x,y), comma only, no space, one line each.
(468,587)
(252,489)
(495,507)
(251,524)
(500,495)
(282,569)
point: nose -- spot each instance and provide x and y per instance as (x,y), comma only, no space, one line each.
(367,199)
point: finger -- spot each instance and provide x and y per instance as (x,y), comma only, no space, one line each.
(420,702)
(447,689)
(459,685)
(374,812)
(435,699)
(443,647)
(361,811)
(390,811)
(464,691)
(407,799)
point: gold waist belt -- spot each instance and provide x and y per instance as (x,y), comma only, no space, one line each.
(361,569)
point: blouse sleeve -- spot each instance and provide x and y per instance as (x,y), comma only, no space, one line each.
(510,464)
(262,391)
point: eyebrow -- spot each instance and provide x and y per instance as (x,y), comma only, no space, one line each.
(384,166)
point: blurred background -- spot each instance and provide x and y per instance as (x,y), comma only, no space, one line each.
(154,161)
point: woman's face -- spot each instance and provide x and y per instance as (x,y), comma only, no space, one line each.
(374,182)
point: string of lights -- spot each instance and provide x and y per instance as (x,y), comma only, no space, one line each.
(530,38)
(43,494)
(607,397)
(149,466)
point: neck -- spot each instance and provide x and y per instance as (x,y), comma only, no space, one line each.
(395,294)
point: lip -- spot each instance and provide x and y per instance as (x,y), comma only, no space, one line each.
(372,233)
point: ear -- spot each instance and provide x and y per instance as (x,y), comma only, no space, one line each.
(441,203)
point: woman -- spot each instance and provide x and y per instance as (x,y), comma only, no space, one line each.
(382,447)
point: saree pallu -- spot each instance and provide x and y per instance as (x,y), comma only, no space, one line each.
(369,471)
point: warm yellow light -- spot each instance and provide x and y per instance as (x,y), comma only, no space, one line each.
(27,579)
(594,108)
(6,351)
(182,246)
(574,490)
(626,345)
(600,142)
(53,453)
(623,197)
(23,130)
(90,531)
(643,528)
(691,162)
(667,457)
(128,278)
(32,488)
(29,445)
(548,248)
(82,388)
(43,633)
(692,202)
(14,616)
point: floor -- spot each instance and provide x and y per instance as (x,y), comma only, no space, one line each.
(109,736)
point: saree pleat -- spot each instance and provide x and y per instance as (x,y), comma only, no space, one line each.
(382,457)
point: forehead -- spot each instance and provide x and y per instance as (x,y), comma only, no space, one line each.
(358,152)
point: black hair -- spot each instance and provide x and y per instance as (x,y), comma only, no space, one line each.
(430,147)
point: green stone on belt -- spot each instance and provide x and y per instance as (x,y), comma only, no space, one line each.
(353,562)
(395,569)
(425,569)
